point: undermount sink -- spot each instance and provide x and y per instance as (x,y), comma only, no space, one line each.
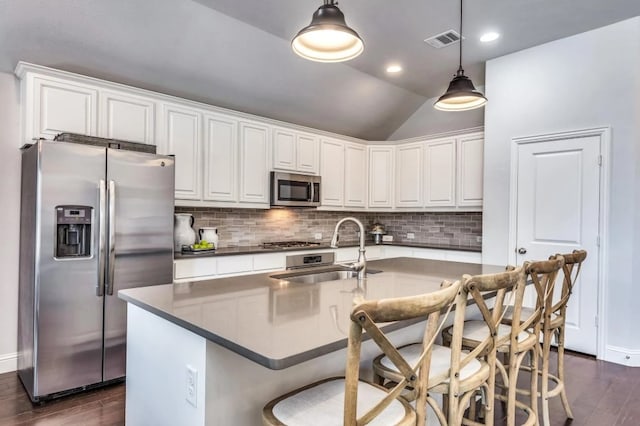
(310,277)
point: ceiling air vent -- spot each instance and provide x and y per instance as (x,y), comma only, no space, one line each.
(443,39)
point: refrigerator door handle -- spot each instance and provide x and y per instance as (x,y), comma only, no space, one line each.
(112,237)
(102,235)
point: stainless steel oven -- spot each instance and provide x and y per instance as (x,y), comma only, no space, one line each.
(294,190)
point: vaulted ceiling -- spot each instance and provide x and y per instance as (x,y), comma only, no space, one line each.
(236,53)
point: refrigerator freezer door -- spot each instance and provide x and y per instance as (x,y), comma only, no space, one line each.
(141,196)
(68,341)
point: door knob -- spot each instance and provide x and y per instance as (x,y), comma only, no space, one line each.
(522,250)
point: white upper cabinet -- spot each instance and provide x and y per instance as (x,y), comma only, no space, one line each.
(470,169)
(221,158)
(408,184)
(254,162)
(181,135)
(344,174)
(307,153)
(440,173)
(381,176)
(332,172)
(355,182)
(295,151)
(56,106)
(284,149)
(127,117)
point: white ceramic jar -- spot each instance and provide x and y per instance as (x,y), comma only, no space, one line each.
(183,233)
(209,234)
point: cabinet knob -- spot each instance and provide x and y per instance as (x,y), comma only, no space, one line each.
(522,250)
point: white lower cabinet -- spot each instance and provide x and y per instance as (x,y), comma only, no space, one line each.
(271,261)
(200,268)
(228,266)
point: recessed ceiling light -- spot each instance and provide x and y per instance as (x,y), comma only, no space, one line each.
(392,69)
(490,36)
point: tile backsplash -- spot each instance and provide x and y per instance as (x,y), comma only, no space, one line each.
(250,227)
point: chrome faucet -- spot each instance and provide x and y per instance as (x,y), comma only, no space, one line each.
(361,264)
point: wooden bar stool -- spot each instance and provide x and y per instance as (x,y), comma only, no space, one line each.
(458,374)
(553,323)
(351,401)
(514,341)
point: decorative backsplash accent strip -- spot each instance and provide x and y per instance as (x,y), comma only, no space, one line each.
(250,227)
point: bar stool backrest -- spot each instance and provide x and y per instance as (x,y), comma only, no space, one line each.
(366,316)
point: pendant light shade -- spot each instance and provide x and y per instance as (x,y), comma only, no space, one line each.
(461,94)
(328,38)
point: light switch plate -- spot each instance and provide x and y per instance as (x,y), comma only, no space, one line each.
(387,238)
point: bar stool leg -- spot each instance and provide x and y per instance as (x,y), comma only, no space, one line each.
(533,396)
(544,391)
(563,392)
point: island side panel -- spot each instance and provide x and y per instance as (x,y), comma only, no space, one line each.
(238,388)
(158,353)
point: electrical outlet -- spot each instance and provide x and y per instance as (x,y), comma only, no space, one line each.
(317,235)
(192,386)
(411,236)
(478,239)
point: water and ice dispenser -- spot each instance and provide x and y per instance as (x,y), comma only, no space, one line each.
(73,231)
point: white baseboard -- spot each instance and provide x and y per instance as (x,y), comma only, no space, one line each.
(8,362)
(624,356)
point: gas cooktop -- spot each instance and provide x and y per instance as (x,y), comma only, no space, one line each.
(289,244)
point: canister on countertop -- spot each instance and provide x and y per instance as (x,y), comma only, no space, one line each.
(377,230)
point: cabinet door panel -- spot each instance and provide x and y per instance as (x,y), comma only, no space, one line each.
(332,173)
(307,154)
(254,163)
(470,170)
(221,157)
(63,107)
(355,184)
(284,149)
(440,173)
(409,176)
(125,117)
(380,176)
(182,138)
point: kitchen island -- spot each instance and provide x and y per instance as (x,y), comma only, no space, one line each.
(214,352)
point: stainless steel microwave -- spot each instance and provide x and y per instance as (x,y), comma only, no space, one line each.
(294,190)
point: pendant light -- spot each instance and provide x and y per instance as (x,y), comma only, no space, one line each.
(327,38)
(461,94)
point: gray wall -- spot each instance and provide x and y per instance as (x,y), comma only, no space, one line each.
(428,121)
(9,218)
(589,80)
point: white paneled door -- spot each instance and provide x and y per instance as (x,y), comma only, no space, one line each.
(558,200)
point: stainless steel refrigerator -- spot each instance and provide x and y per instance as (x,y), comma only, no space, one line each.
(94,220)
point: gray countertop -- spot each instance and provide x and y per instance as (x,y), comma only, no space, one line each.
(229,251)
(278,323)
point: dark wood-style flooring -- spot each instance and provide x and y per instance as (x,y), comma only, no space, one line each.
(601,394)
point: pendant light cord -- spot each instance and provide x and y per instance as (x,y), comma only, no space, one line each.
(460,55)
